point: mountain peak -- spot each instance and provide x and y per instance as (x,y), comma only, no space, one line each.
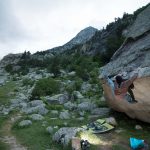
(83,36)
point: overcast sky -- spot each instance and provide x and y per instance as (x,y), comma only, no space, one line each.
(35,25)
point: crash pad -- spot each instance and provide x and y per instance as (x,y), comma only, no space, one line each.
(98,126)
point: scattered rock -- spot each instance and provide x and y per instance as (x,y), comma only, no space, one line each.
(40,109)
(65,134)
(86,106)
(65,124)
(77,95)
(57,99)
(35,103)
(64,115)
(80,119)
(85,87)
(72,73)
(93,117)
(101,111)
(70,106)
(82,113)
(49,129)
(112,121)
(25,123)
(102,99)
(44,123)
(36,117)
(138,127)
(54,113)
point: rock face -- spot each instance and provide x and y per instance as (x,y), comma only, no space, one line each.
(134,53)
(10,59)
(141,24)
(82,37)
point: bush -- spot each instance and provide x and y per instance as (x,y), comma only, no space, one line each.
(9,68)
(43,87)
(27,81)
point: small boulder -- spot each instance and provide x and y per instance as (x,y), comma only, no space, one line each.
(138,127)
(101,111)
(64,115)
(25,123)
(81,113)
(85,87)
(64,135)
(49,129)
(80,119)
(57,99)
(70,106)
(102,99)
(54,113)
(112,121)
(86,106)
(77,95)
(36,117)
(35,103)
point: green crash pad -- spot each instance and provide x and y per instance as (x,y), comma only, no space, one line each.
(98,126)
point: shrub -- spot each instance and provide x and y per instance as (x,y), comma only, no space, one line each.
(27,81)
(47,86)
(9,68)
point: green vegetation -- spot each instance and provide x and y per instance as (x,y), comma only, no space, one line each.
(4,100)
(44,87)
(4,92)
(9,68)
(3,146)
(26,82)
(36,137)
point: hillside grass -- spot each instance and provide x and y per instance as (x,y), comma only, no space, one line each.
(36,136)
(5,100)
(3,146)
(4,92)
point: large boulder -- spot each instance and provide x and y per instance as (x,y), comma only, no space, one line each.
(134,53)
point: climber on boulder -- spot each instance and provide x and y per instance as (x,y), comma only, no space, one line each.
(123,86)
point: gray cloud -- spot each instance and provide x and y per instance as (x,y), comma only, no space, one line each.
(10,27)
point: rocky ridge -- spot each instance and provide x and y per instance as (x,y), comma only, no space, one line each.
(135,51)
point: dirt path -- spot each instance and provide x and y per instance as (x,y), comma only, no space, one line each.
(113,138)
(7,136)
